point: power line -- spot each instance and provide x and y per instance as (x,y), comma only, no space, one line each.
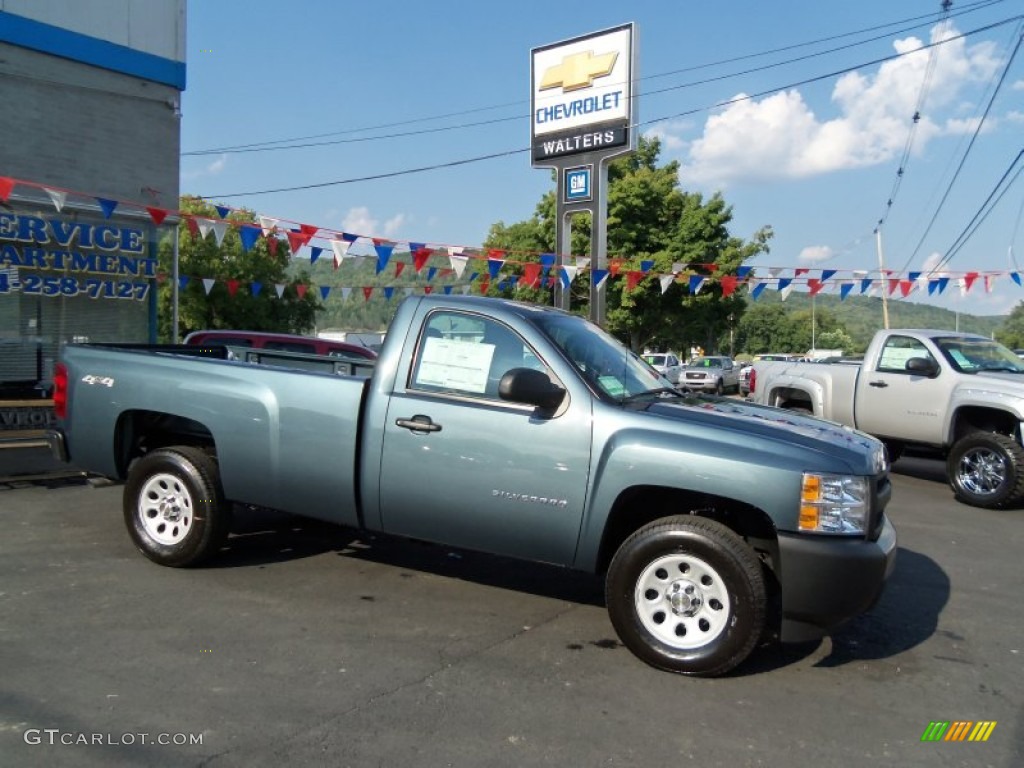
(491,156)
(265,146)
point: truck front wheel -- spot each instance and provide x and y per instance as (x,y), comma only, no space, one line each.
(173,506)
(986,469)
(687,595)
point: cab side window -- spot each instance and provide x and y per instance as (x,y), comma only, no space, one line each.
(467,355)
(896,352)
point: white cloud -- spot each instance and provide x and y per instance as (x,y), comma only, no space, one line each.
(1018,85)
(814,253)
(780,136)
(210,169)
(359,221)
(669,134)
(394,224)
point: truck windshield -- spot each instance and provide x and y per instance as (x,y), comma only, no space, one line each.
(612,370)
(970,355)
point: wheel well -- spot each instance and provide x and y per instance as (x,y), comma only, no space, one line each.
(785,397)
(978,419)
(139,432)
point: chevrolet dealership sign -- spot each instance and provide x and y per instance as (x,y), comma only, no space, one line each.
(582,95)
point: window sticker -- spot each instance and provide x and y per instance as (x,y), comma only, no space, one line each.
(455,364)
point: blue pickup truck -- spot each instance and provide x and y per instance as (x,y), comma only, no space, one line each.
(516,430)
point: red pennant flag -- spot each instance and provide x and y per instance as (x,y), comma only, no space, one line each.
(428,289)
(272,245)
(157,215)
(614,265)
(367,292)
(6,187)
(531,275)
(906,286)
(969,279)
(894,283)
(301,288)
(495,253)
(419,259)
(296,240)
(232,287)
(815,285)
(633,278)
(399,266)
(308,229)
(729,285)
(193,228)
(485,283)
(800,271)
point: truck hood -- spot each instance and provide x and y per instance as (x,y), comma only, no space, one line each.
(860,452)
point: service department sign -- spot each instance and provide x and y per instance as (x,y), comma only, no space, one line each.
(582,95)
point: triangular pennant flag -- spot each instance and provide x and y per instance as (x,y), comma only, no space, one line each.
(894,283)
(775,271)
(429,289)
(547,261)
(932,285)
(784,292)
(346,291)
(646,265)
(399,266)
(367,292)
(314,253)
(815,285)
(58,198)
(757,290)
(220,228)
(349,238)
(248,234)
(844,290)
(582,262)
(1015,276)
(301,288)
(107,206)
(6,187)
(383,254)
(531,275)
(496,253)
(389,291)
(272,243)
(567,275)
(255,287)
(666,281)
(906,286)
(340,248)
(193,228)
(742,272)
(784,283)
(485,283)
(156,214)
(232,287)
(296,240)
(309,229)
(447,290)
(430,273)
(325,291)
(989,279)
(865,284)
(279,289)
(943,282)
(208,284)
(969,279)
(633,278)
(598,276)
(222,210)
(912,276)
(268,225)
(696,283)
(182,282)
(420,256)
(800,271)
(205,227)
(729,283)
(458,264)
(494,267)
(826,274)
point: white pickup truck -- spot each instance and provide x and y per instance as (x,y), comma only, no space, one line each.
(958,393)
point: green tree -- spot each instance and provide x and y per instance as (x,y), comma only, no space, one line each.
(201,257)
(651,220)
(1011,333)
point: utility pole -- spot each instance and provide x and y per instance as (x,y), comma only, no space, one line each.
(885,286)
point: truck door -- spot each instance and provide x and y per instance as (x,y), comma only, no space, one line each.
(461,466)
(891,401)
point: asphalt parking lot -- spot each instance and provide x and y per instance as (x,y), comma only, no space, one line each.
(311,645)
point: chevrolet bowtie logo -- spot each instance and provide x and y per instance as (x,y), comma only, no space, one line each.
(578,71)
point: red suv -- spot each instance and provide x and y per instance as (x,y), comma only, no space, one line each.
(281,342)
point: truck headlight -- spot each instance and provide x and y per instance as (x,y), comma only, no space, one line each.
(834,504)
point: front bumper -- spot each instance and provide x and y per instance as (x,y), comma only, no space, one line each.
(829,580)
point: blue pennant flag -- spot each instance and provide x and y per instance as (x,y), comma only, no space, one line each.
(431,271)
(646,265)
(255,287)
(844,290)
(784,282)
(758,290)
(389,291)
(325,291)
(248,235)
(826,274)
(742,272)
(474,276)
(448,290)
(223,210)
(413,247)
(494,267)
(547,260)
(314,254)
(865,284)
(107,206)
(912,276)
(943,282)
(182,282)
(1015,276)
(932,285)
(383,254)
(597,276)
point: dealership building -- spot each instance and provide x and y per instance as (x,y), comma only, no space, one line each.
(89,168)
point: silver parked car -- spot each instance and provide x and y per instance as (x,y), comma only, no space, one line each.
(665,363)
(712,373)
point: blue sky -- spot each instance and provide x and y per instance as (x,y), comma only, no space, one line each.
(816,156)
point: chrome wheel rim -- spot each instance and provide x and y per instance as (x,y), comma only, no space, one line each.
(165,509)
(982,471)
(682,601)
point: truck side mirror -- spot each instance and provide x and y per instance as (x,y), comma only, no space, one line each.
(526,385)
(922,366)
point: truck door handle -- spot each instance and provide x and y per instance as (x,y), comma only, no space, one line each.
(418,423)
(880,384)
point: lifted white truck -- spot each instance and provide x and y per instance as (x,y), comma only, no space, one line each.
(958,393)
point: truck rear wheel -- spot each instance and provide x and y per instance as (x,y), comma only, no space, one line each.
(686,594)
(986,469)
(174,508)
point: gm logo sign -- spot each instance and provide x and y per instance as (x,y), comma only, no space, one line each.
(577,184)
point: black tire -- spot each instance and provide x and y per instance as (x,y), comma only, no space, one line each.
(174,507)
(986,469)
(719,388)
(895,450)
(687,595)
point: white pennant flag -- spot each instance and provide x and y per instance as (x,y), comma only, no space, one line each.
(458,263)
(340,248)
(752,283)
(677,267)
(466,289)
(784,293)
(205,225)
(582,262)
(989,279)
(208,284)
(962,285)
(268,224)
(279,289)
(775,271)
(220,229)
(570,272)
(58,198)
(666,281)
(346,291)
